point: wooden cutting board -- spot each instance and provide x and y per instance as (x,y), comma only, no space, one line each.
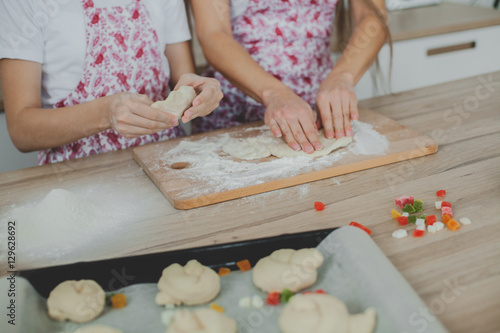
(176,182)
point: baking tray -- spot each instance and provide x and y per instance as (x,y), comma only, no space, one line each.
(355,270)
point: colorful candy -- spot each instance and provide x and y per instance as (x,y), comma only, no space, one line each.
(418,233)
(441,193)
(453,225)
(404,200)
(216,307)
(400,233)
(430,219)
(362,227)
(438,204)
(446,218)
(412,219)
(224,271)
(465,221)
(319,206)
(408,208)
(403,220)
(395,214)
(447,210)
(118,301)
(244,265)
(445,204)
(273,298)
(439,225)
(418,205)
(431,228)
(420,222)
(286,295)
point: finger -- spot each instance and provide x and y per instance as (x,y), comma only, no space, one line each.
(338,119)
(311,132)
(145,99)
(198,111)
(275,129)
(130,131)
(354,107)
(345,114)
(300,137)
(326,118)
(287,133)
(148,112)
(138,121)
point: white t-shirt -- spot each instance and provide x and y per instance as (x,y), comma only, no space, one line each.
(52,32)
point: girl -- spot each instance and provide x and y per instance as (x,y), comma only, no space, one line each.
(273,60)
(79,76)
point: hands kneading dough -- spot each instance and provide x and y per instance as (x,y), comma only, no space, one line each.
(79,301)
(192,284)
(320,313)
(177,101)
(287,269)
(201,321)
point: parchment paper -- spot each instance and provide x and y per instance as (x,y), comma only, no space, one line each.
(355,270)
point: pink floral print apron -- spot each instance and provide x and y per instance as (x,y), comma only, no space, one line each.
(290,39)
(123,55)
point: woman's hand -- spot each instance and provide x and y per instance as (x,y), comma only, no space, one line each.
(132,116)
(209,95)
(290,116)
(337,105)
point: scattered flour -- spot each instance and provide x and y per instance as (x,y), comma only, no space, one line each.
(219,172)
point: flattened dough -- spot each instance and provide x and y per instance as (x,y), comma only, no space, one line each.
(321,313)
(79,301)
(201,321)
(287,269)
(283,150)
(264,146)
(177,101)
(193,284)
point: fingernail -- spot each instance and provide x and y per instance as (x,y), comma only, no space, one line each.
(277,134)
(308,149)
(317,146)
(329,135)
(340,135)
(348,133)
(295,146)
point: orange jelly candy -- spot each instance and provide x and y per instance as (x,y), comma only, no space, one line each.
(118,301)
(216,307)
(224,271)
(446,218)
(244,265)
(453,225)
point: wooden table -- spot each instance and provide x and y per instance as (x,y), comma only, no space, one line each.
(467,166)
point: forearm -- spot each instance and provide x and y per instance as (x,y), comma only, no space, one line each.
(361,50)
(235,63)
(35,128)
(180,59)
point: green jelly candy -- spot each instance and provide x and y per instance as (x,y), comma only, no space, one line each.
(418,205)
(408,208)
(412,219)
(286,295)
(423,216)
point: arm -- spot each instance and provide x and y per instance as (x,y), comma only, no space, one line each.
(182,71)
(336,99)
(33,128)
(286,113)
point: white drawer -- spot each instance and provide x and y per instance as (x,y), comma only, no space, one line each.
(416,65)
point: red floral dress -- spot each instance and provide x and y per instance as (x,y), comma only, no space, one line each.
(123,55)
(290,39)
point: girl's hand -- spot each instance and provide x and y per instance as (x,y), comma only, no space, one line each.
(132,116)
(337,105)
(290,116)
(209,95)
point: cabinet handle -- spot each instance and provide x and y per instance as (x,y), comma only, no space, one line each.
(451,48)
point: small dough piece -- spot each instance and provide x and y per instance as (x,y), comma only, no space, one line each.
(79,301)
(193,284)
(97,329)
(201,321)
(283,150)
(248,149)
(322,313)
(287,269)
(177,101)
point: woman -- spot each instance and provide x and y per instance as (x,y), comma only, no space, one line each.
(79,76)
(273,60)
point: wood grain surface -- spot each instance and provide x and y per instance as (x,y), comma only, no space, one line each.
(172,181)
(463,117)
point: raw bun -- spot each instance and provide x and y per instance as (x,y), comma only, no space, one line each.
(177,101)
(321,313)
(192,284)
(287,269)
(97,329)
(201,321)
(79,301)
(283,150)
(248,149)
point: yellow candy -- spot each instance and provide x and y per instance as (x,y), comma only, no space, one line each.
(216,307)
(395,214)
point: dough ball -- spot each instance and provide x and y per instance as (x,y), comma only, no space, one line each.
(287,269)
(192,284)
(177,101)
(97,329)
(201,321)
(78,301)
(248,149)
(283,150)
(320,313)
